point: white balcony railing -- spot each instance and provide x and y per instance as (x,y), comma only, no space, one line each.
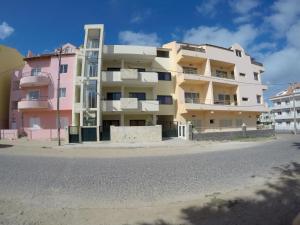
(130,104)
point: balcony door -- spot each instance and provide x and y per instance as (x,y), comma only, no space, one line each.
(192,97)
(138,95)
(33,95)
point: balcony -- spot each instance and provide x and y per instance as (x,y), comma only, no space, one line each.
(199,78)
(25,104)
(41,79)
(130,52)
(197,104)
(130,104)
(190,53)
(129,77)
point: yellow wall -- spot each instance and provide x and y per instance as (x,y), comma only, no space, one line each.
(10,60)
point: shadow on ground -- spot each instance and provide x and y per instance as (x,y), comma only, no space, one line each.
(278,204)
(5,146)
(296,144)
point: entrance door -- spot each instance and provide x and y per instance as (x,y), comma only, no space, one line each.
(181,131)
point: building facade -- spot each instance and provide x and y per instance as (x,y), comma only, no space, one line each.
(286,109)
(33,104)
(10,60)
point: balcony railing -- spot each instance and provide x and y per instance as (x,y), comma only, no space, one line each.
(224,102)
(190,48)
(33,80)
(130,104)
(39,103)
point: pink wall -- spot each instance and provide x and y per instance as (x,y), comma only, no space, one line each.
(49,65)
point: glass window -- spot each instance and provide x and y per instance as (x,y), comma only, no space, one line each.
(189,70)
(255,76)
(113,95)
(164,76)
(165,99)
(242,74)
(62,92)
(34,122)
(238,53)
(90,118)
(244,99)
(220,73)
(258,99)
(138,95)
(33,95)
(36,71)
(192,97)
(92,69)
(63,68)
(163,54)
(113,69)
(225,123)
(90,94)
(141,69)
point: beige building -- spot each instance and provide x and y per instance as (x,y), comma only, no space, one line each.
(10,59)
(216,88)
(212,87)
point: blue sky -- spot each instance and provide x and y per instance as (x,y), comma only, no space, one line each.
(268,30)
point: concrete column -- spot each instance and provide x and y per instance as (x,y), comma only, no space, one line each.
(210,94)
(122,92)
(207,71)
(122,64)
(154,121)
(122,120)
(189,131)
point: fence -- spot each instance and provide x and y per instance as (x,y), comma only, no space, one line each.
(45,134)
(9,134)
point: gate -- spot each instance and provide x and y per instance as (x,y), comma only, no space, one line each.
(89,133)
(73,134)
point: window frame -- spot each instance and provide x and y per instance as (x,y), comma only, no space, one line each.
(162,99)
(63,69)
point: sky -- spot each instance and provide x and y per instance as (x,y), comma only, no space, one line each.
(268,30)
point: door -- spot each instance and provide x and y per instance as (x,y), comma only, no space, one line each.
(105,135)
(89,134)
(181,131)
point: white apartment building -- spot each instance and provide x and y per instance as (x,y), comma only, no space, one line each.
(283,108)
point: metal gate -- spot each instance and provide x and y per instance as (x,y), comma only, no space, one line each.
(73,134)
(89,133)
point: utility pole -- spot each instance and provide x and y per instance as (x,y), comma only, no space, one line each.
(58,97)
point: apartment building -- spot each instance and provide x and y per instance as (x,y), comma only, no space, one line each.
(217,88)
(283,108)
(121,85)
(10,60)
(33,102)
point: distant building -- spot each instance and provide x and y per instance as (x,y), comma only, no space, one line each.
(283,108)
(10,59)
(266,119)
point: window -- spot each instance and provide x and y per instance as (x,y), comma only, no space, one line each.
(223,99)
(278,103)
(90,118)
(165,99)
(225,123)
(36,71)
(258,99)
(190,70)
(191,97)
(164,76)
(141,69)
(62,92)
(244,99)
(288,123)
(113,69)
(137,122)
(33,95)
(90,94)
(287,102)
(63,68)
(138,95)
(222,74)
(211,121)
(92,69)
(34,122)
(279,113)
(255,76)
(242,74)
(113,95)
(238,53)
(238,122)
(162,54)
(64,122)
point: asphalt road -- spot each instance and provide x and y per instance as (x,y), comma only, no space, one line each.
(87,182)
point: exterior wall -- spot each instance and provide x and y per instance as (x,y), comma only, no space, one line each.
(10,59)
(136,134)
(20,117)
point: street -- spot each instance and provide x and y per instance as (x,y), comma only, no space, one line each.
(133,182)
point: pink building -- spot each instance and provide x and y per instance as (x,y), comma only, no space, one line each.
(33,100)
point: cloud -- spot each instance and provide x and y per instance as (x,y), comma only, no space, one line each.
(243,6)
(285,14)
(293,35)
(140,16)
(208,8)
(5,30)
(138,38)
(244,35)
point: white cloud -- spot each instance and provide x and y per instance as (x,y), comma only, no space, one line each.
(244,35)
(140,16)
(243,6)
(285,13)
(138,38)
(208,8)
(5,30)
(293,35)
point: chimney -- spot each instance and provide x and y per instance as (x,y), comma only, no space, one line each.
(29,54)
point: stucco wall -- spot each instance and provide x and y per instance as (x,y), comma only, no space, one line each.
(126,134)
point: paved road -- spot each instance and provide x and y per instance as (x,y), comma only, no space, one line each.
(86,182)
